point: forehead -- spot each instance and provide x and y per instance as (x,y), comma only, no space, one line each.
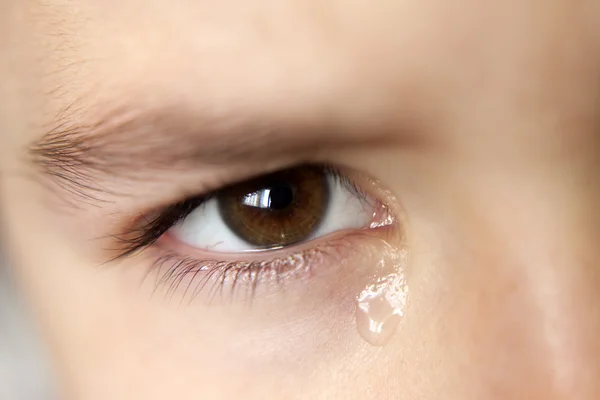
(255,50)
(327,57)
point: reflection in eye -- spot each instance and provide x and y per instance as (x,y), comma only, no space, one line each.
(274,211)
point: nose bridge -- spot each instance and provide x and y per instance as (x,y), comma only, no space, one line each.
(540,313)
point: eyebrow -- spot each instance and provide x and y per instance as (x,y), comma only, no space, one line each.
(76,151)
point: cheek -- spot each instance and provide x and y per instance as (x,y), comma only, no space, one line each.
(304,332)
(113,334)
(267,349)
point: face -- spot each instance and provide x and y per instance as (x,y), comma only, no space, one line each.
(306,199)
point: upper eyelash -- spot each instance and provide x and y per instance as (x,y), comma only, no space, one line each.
(145,235)
(139,238)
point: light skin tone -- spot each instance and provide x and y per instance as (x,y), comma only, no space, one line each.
(475,122)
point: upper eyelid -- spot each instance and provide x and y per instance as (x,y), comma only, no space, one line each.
(89,157)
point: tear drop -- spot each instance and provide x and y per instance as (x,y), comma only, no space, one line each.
(380,308)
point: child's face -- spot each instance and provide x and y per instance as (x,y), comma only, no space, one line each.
(473,125)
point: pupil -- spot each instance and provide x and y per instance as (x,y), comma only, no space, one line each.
(280,196)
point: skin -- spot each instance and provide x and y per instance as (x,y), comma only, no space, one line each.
(498,193)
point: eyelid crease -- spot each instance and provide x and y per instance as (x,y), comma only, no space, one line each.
(86,157)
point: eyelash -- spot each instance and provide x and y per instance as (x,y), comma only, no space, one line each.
(177,269)
(173,268)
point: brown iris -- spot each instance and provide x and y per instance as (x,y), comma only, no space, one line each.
(278,209)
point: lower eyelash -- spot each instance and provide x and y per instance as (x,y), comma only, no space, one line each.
(195,275)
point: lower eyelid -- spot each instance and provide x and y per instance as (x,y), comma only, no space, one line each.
(185,278)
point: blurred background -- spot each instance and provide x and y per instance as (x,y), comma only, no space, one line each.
(24,372)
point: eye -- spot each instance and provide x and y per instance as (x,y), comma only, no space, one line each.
(275,211)
(260,233)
